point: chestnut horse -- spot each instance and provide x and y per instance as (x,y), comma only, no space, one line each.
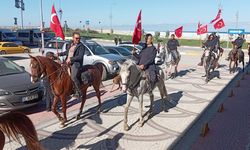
(235,57)
(62,84)
(13,124)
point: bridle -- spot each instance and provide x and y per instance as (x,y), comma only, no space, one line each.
(49,75)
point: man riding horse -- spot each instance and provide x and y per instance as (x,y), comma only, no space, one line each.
(74,59)
(172,47)
(238,43)
(146,59)
(213,44)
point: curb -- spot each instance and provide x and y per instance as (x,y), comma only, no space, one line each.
(186,139)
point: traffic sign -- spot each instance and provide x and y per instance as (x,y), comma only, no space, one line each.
(236,31)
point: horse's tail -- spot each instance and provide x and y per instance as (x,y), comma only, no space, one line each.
(13,124)
(100,68)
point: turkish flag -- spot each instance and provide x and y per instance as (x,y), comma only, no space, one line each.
(137,31)
(219,24)
(55,24)
(178,32)
(217,17)
(202,29)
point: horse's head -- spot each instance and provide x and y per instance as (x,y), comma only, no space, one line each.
(37,71)
(128,71)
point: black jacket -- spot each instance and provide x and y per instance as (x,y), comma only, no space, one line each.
(78,55)
(147,57)
(173,44)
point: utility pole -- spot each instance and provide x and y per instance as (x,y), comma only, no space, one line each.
(20,4)
(237,19)
(42,24)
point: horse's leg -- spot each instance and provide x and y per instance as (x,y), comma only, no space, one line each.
(230,67)
(151,96)
(129,99)
(141,108)
(64,108)
(163,92)
(98,95)
(55,102)
(2,140)
(82,104)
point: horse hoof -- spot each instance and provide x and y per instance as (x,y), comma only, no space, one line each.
(77,117)
(126,127)
(140,124)
(62,125)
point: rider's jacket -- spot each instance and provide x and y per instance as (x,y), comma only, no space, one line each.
(213,44)
(172,44)
(239,42)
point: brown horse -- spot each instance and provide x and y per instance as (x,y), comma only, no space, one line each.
(62,84)
(235,56)
(13,124)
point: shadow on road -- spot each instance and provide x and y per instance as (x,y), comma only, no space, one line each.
(108,143)
(62,139)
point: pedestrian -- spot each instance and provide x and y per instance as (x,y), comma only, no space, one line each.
(116,40)
(120,40)
(248,53)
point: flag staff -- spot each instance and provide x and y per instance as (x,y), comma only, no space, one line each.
(42,25)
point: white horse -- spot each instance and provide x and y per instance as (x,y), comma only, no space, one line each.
(170,62)
(136,84)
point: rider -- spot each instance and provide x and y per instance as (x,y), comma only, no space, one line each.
(213,44)
(238,43)
(74,59)
(146,59)
(172,47)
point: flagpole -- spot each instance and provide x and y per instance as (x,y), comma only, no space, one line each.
(42,25)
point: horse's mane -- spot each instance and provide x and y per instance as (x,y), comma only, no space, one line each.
(14,123)
(50,61)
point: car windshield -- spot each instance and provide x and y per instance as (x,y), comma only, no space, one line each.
(53,45)
(10,34)
(96,48)
(7,67)
(123,51)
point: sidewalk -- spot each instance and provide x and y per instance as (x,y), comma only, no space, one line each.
(231,128)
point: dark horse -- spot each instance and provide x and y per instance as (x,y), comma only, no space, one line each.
(61,83)
(236,56)
(210,62)
(13,124)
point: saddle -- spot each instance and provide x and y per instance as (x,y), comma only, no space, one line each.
(84,76)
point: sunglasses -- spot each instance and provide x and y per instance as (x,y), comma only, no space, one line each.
(77,38)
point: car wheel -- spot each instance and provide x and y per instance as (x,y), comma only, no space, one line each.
(26,51)
(104,73)
(2,52)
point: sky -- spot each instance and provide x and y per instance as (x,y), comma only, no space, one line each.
(158,13)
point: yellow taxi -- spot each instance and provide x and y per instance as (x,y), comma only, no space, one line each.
(11,48)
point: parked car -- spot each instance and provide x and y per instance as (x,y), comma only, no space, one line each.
(7,35)
(10,48)
(130,47)
(123,52)
(16,89)
(31,37)
(97,54)
(51,47)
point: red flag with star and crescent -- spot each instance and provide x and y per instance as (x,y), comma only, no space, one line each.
(178,32)
(137,31)
(219,24)
(55,24)
(201,29)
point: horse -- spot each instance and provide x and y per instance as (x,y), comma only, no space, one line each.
(135,83)
(209,62)
(62,84)
(236,56)
(169,62)
(15,123)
